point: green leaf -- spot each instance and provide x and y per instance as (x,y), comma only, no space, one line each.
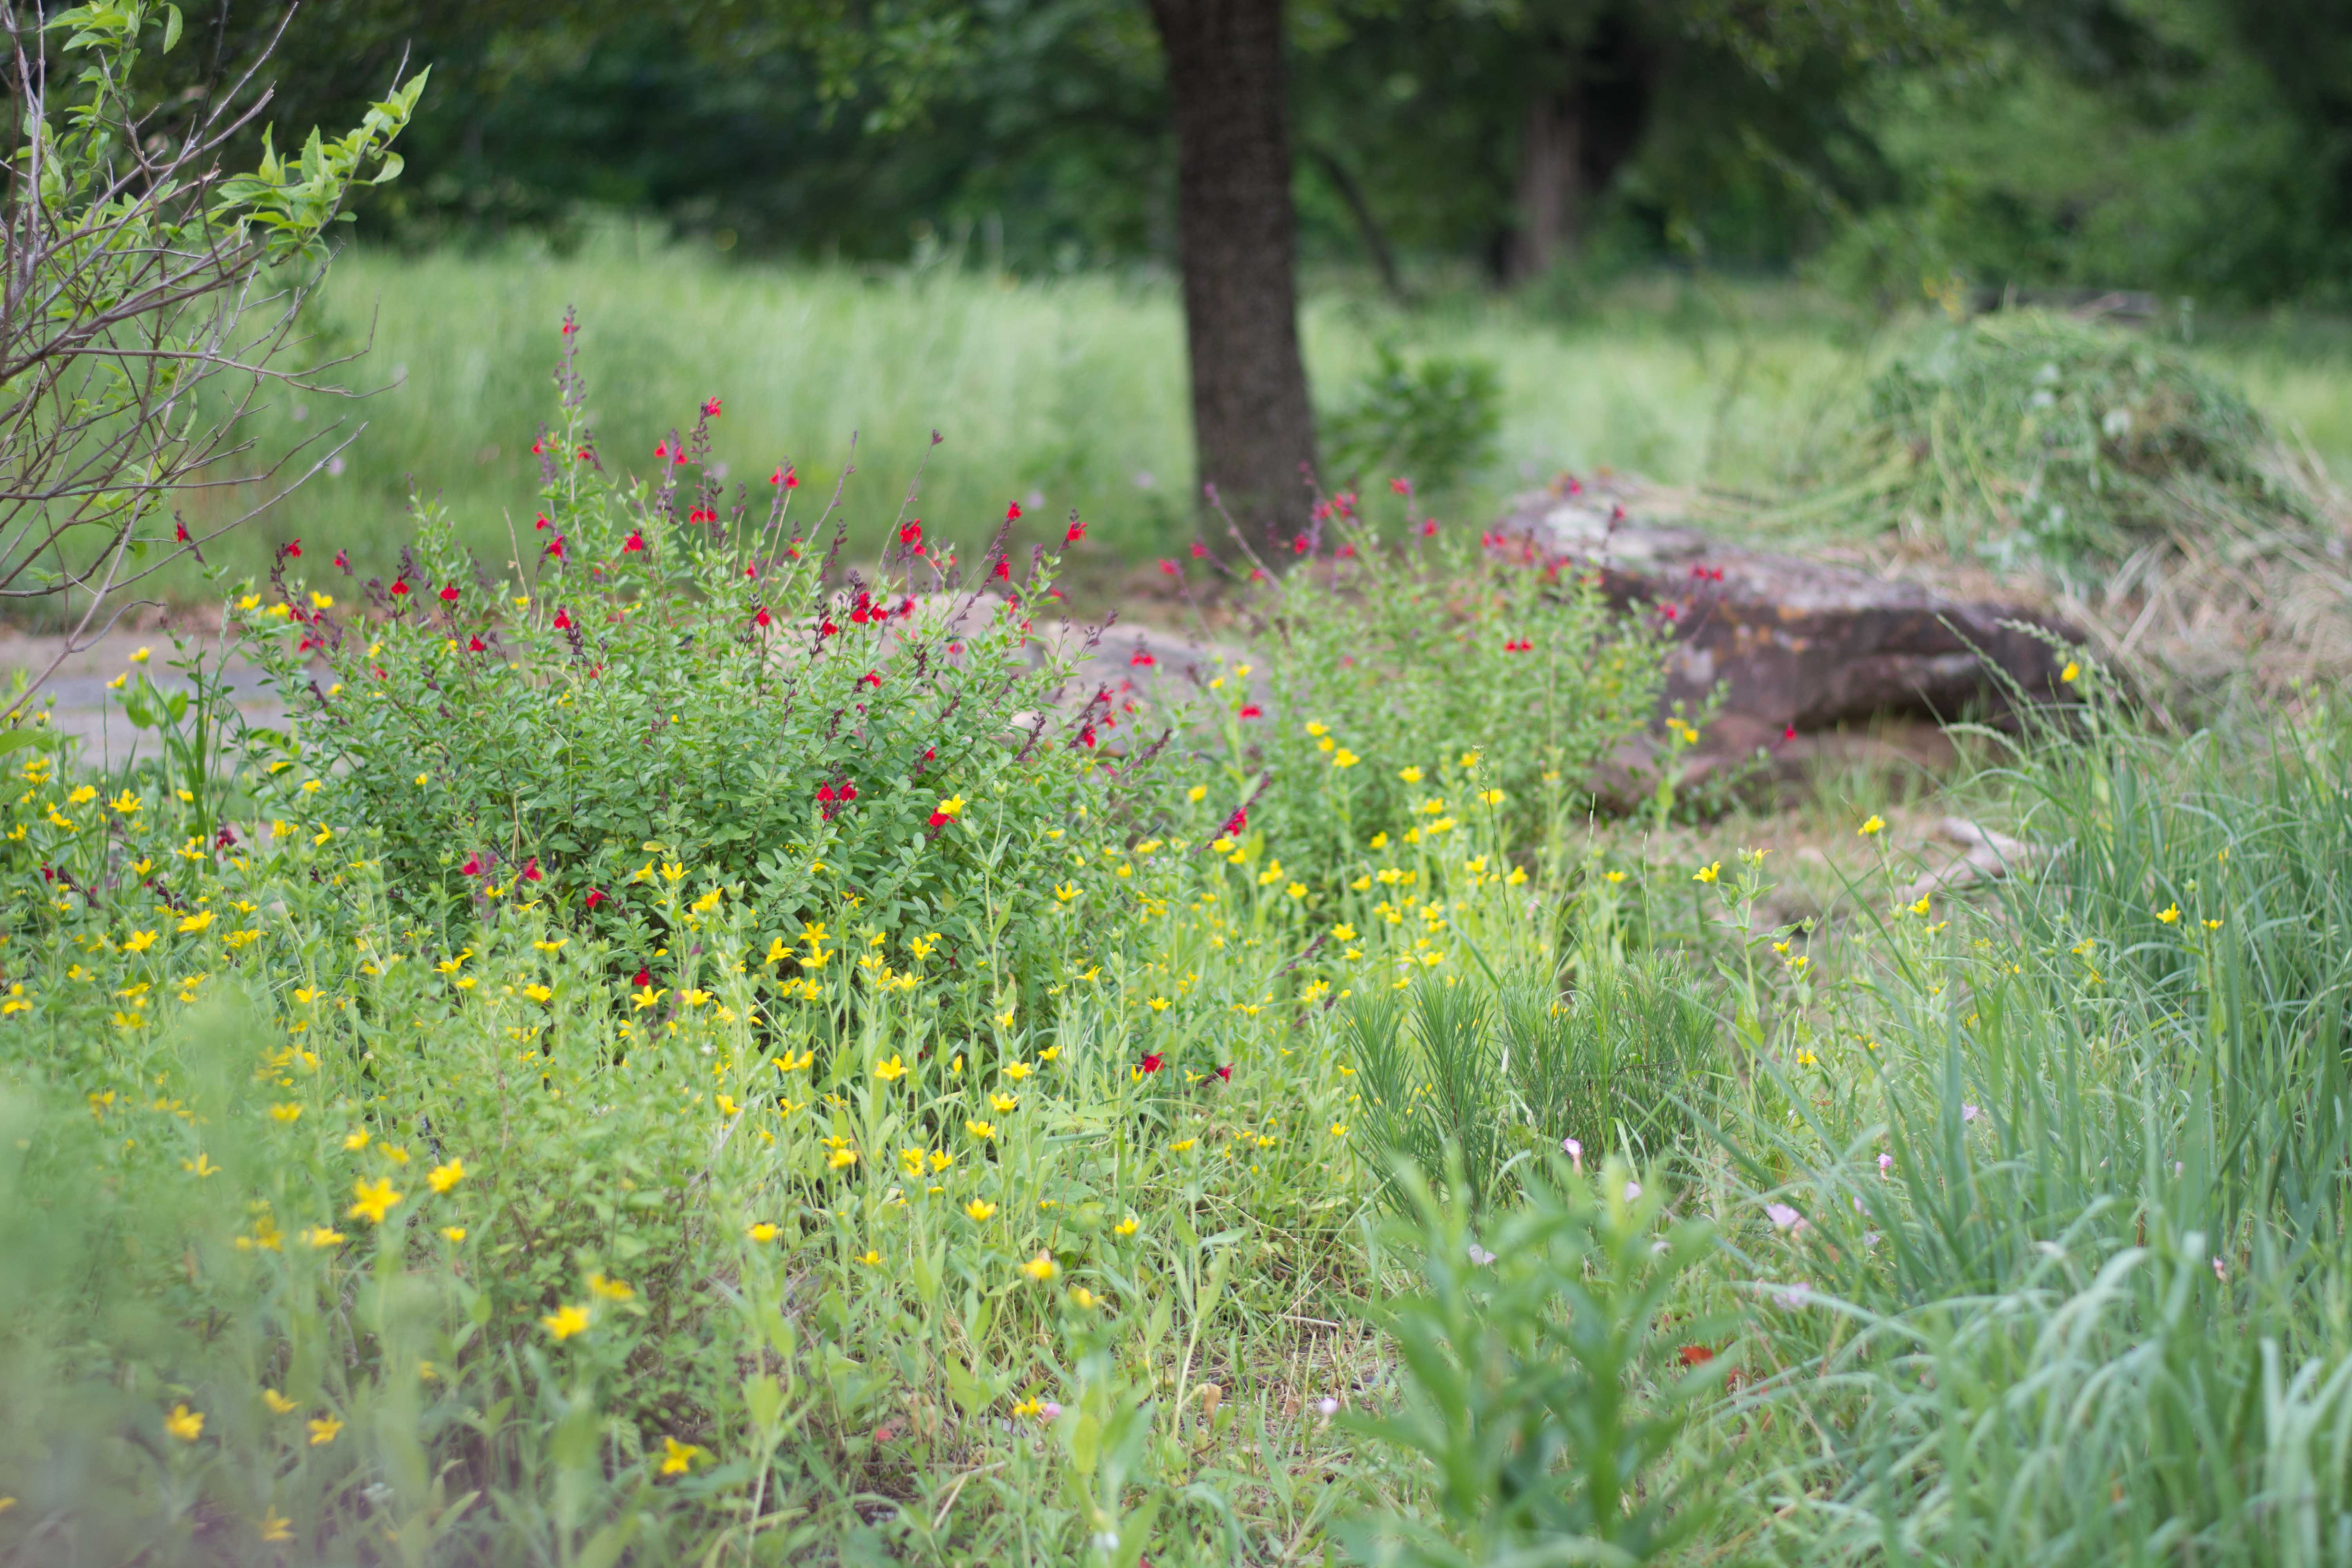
(171,27)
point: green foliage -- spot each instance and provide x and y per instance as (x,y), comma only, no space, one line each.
(1540,1396)
(1489,1074)
(2029,440)
(1434,417)
(657,693)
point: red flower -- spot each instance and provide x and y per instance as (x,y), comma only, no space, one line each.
(1142,659)
(1696,1356)
(1087,736)
(294,548)
(828,630)
(661,449)
(1153,1063)
(635,543)
(449,592)
(475,645)
(825,792)
(597,896)
(1401,486)
(1012,512)
(645,977)
(1200,551)
(710,410)
(784,476)
(848,791)
(399,588)
(702,514)
(562,620)
(1235,823)
(1170,568)
(1077,532)
(180,532)
(1004,571)
(343,558)
(760,617)
(940,819)
(1788,734)
(1575,485)
(542,522)
(1299,545)
(1226,1073)
(1252,710)
(531,871)
(555,547)
(472,867)
(871,677)
(1429,528)
(570,326)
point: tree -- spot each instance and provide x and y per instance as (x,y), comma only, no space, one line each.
(1252,426)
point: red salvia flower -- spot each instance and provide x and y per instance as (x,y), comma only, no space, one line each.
(472,867)
(294,549)
(180,533)
(1142,659)
(828,630)
(825,792)
(940,819)
(1299,545)
(1004,571)
(596,895)
(635,543)
(343,558)
(1226,1073)
(1235,824)
(1170,568)
(872,678)
(1252,710)
(1429,528)
(1200,551)
(562,620)
(1153,1062)
(710,410)
(760,617)
(1402,487)
(661,449)
(531,871)
(555,547)
(542,523)
(645,977)
(399,588)
(449,592)
(1077,530)
(1012,512)
(475,645)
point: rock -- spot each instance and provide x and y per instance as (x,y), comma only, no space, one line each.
(1795,642)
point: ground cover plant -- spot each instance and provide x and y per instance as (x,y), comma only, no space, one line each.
(476,1124)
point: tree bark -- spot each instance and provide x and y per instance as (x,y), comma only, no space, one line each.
(1550,185)
(1252,426)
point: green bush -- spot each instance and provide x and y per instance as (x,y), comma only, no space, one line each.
(1435,417)
(652,708)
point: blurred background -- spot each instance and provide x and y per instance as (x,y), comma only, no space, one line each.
(1680,239)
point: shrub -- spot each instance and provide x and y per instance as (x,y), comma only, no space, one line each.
(651,693)
(1436,417)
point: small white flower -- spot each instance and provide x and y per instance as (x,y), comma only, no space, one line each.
(1480,1255)
(1326,1405)
(1792,1296)
(1632,1191)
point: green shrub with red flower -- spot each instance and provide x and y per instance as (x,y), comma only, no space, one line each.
(662,687)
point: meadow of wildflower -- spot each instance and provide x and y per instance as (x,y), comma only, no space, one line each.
(691,1044)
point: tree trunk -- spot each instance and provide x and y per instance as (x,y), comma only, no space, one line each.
(1551,184)
(1252,425)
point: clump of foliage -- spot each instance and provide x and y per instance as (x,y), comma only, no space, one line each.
(651,685)
(2032,441)
(1434,416)
(1412,683)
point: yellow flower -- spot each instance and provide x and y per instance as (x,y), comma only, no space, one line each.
(375,1200)
(891,1070)
(1016,1071)
(2068,674)
(951,807)
(1083,1300)
(567,1322)
(119,682)
(2213,925)
(678,1457)
(1492,797)
(355,1140)
(1613,875)
(981,1129)
(286,1112)
(1127,1226)
(1159,1004)
(275,1527)
(842,1159)
(1297,889)
(442,1177)
(1004,1103)
(197,922)
(672,870)
(453,1233)
(764,1231)
(1182,1144)
(980,1208)
(538,993)
(2169,916)
(1343,758)
(610,1290)
(324,1431)
(1707,873)
(141,657)
(277,1402)
(1041,1267)
(1410,775)
(320,1237)
(1197,793)
(138,942)
(1873,824)
(422,779)
(1065,891)
(1922,906)
(185,1424)
(126,804)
